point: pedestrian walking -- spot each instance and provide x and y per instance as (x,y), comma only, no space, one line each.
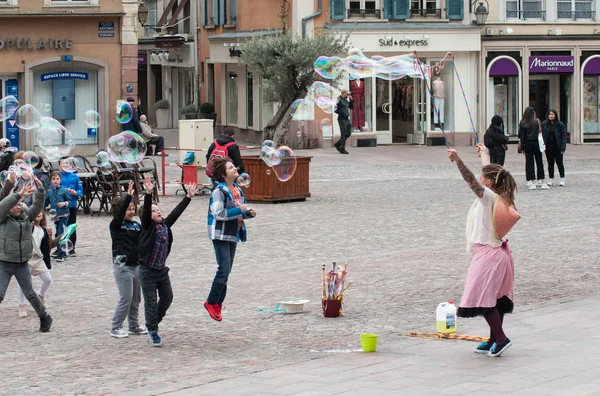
(125,235)
(343,107)
(555,139)
(58,199)
(488,289)
(226,213)
(496,141)
(154,247)
(17,249)
(529,137)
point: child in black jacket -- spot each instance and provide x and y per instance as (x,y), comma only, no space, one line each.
(153,249)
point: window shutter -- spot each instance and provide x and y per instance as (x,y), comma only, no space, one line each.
(337,9)
(455,9)
(388,9)
(222,12)
(232,12)
(401,9)
(215,11)
(204,12)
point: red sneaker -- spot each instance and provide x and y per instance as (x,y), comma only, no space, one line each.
(213,311)
(219,309)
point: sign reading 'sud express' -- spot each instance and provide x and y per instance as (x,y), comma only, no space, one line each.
(390,42)
(29,44)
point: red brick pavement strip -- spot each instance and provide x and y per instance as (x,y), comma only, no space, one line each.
(404,242)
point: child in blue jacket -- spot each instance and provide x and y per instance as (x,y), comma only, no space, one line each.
(73,184)
(59,199)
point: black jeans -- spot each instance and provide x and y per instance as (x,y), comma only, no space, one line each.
(159,141)
(554,155)
(154,281)
(73,220)
(497,158)
(345,132)
(225,253)
(532,150)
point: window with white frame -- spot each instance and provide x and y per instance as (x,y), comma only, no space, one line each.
(425,7)
(363,8)
(152,21)
(9,3)
(232,98)
(70,2)
(575,9)
(525,9)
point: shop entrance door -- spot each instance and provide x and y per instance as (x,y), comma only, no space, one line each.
(420,104)
(403,109)
(539,96)
(382,99)
(5,87)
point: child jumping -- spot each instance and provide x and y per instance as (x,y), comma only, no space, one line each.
(489,286)
(59,198)
(226,212)
(15,228)
(125,235)
(154,247)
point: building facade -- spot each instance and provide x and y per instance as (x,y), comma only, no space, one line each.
(544,54)
(66,57)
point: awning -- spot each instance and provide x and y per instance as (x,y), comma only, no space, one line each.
(592,67)
(503,67)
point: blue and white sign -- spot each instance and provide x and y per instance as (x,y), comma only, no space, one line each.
(64,76)
(92,132)
(12,129)
(106,26)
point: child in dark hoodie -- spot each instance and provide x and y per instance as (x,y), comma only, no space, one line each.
(495,140)
(153,249)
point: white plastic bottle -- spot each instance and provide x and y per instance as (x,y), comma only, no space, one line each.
(445,316)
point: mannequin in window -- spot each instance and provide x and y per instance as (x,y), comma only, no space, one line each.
(438,100)
(357,87)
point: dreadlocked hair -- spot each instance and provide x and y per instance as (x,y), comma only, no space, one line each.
(503,183)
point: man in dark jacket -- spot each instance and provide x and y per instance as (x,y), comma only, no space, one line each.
(344,105)
(133,124)
(495,140)
(7,154)
(233,151)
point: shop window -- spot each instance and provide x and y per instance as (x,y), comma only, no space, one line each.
(505,102)
(152,21)
(210,13)
(82,94)
(589,100)
(9,3)
(363,9)
(525,9)
(250,100)
(442,87)
(575,9)
(425,8)
(232,99)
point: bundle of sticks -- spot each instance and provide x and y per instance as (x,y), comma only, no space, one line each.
(334,282)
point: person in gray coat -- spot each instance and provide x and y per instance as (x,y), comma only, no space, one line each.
(16,245)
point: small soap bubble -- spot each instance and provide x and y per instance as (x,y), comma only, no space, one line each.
(52,213)
(31,158)
(92,119)
(244,180)
(8,107)
(66,246)
(124,113)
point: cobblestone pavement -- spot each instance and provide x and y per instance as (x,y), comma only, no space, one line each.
(395,213)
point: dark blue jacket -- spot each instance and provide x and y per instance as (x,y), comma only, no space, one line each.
(56,195)
(560,133)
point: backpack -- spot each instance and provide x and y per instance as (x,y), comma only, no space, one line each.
(220,151)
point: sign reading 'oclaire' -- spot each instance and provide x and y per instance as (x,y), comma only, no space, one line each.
(28,44)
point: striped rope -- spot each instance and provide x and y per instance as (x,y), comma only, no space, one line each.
(440,336)
(437,111)
(465,98)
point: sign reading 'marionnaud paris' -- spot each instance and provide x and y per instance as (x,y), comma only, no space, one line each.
(29,44)
(551,64)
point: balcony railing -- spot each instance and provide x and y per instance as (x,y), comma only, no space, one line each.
(362,13)
(575,15)
(426,12)
(525,15)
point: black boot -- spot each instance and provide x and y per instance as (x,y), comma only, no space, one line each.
(45,323)
(337,146)
(343,151)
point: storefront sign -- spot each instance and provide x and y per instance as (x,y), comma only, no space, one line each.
(64,76)
(551,64)
(390,42)
(28,44)
(142,60)
(12,129)
(106,26)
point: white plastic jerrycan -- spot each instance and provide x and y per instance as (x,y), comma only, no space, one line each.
(445,316)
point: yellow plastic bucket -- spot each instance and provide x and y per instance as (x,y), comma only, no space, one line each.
(368,342)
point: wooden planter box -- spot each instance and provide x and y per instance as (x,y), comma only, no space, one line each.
(267,187)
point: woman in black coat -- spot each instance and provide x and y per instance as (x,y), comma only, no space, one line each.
(529,129)
(555,139)
(495,140)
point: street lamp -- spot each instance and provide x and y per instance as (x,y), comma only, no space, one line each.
(481,12)
(142,13)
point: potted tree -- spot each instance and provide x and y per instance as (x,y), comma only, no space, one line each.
(189,111)
(207,112)
(162,113)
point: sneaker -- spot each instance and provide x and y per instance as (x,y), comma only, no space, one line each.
(498,349)
(22,310)
(119,333)
(45,323)
(545,187)
(213,311)
(337,146)
(529,183)
(160,154)
(60,259)
(155,338)
(138,331)
(73,254)
(532,187)
(562,182)
(54,255)
(484,347)
(551,182)
(43,300)
(538,183)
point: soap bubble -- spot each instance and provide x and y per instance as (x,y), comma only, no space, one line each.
(126,147)
(31,158)
(52,213)
(270,156)
(299,134)
(103,162)
(324,95)
(329,67)
(301,109)
(244,180)
(8,107)
(3,176)
(286,169)
(65,246)
(47,107)
(53,139)
(69,165)
(124,113)
(28,117)
(21,169)
(92,119)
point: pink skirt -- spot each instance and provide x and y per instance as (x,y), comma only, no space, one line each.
(490,281)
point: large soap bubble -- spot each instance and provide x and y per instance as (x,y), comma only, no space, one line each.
(329,67)
(302,109)
(8,106)
(53,139)
(124,113)
(126,147)
(28,117)
(287,167)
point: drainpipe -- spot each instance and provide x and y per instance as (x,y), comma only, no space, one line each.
(312,16)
